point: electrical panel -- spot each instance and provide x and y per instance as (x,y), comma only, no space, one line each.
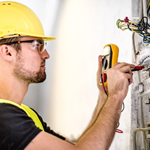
(140,27)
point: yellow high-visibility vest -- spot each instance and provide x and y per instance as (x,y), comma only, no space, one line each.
(28,111)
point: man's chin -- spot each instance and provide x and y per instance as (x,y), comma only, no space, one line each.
(39,78)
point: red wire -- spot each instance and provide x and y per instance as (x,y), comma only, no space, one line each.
(137,68)
(119,131)
(104,77)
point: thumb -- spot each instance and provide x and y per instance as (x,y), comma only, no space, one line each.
(99,70)
(99,64)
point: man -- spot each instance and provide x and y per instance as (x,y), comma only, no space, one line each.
(22,61)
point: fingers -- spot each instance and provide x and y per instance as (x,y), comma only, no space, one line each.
(124,67)
(120,65)
(100,63)
(99,71)
(129,77)
(119,77)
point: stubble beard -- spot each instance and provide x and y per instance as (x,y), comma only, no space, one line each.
(28,75)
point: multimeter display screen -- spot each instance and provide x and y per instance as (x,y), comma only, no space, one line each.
(107,58)
(106,50)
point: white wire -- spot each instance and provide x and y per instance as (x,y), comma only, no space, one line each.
(141,101)
(145,8)
(141,10)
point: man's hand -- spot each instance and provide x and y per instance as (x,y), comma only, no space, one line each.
(119,77)
(99,71)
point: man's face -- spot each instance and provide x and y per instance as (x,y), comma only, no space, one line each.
(30,64)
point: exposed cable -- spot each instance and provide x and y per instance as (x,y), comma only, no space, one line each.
(104,78)
(142,114)
(145,8)
(142,27)
(134,136)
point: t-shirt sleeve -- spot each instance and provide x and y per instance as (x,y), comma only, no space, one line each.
(47,128)
(17,130)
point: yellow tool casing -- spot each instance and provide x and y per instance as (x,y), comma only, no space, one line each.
(110,57)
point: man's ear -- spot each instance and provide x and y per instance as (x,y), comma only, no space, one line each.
(7,52)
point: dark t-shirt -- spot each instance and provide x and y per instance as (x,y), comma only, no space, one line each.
(17,129)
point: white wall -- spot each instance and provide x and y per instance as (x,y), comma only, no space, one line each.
(83,29)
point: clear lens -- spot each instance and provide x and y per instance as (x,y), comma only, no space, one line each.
(38,45)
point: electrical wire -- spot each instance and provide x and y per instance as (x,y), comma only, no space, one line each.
(142,27)
(104,78)
(145,8)
(137,68)
(134,136)
(123,107)
(148,7)
(141,101)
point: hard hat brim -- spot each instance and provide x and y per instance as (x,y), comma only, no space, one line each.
(45,38)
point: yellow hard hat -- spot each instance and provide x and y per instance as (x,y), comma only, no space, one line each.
(17,19)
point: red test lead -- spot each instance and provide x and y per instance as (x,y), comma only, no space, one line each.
(103,80)
(137,68)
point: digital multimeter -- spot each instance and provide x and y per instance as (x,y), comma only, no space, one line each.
(110,57)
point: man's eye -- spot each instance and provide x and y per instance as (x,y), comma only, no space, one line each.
(37,45)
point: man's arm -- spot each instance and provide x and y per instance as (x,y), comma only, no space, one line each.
(105,126)
(102,97)
(101,133)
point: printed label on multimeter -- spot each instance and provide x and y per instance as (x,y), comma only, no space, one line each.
(110,57)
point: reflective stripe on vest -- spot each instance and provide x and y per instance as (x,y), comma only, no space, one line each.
(28,111)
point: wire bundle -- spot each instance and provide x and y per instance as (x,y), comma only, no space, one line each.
(142,28)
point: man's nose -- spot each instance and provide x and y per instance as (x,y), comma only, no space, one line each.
(45,54)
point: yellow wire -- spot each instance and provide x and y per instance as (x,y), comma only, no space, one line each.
(148,5)
(123,26)
(131,27)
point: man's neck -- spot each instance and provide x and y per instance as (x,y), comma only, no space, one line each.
(13,89)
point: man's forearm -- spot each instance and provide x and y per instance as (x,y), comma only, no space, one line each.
(101,134)
(101,101)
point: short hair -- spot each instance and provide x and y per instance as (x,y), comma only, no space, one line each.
(16,46)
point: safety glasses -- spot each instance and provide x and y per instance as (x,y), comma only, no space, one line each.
(38,45)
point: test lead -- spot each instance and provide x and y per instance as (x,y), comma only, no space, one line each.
(137,68)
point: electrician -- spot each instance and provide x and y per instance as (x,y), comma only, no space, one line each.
(22,61)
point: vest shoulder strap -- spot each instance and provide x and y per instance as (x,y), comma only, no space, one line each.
(28,111)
